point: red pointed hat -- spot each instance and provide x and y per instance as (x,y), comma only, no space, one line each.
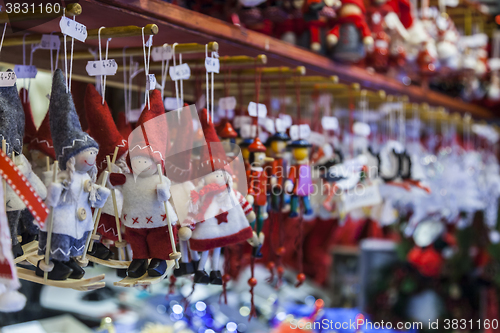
(256,146)
(123,126)
(358,3)
(150,137)
(228,131)
(178,167)
(43,140)
(102,127)
(29,127)
(212,157)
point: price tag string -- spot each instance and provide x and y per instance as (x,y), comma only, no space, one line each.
(68,79)
(297,93)
(125,90)
(164,71)
(51,60)
(206,85)
(3,35)
(227,84)
(103,77)
(258,76)
(146,64)
(177,99)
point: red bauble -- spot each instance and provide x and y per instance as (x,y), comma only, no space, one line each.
(252,282)
(270,265)
(427,261)
(301,277)
(280,251)
(226,277)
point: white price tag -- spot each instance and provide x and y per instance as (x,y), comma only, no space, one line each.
(252,110)
(298,132)
(101,67)
(223,113)
(269,125)
(248,131)
(316,139)
(180,72)
(361,129)
(212,65)
(25,71)
(330,123)
(151,82)
(360,196)
(7,79)
(227,103)
(73,29)
(200,103)
(160,53)
(287,120)
(280,125)
(239,121)
(171,103)
(50,42)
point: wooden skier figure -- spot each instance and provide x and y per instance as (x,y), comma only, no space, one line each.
(143,212)
(74,192)
(300,176)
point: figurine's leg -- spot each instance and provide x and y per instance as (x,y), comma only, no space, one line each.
(200,276)
(195,259)
(159,248)
(295,206)
(29,230)
(107,229)
(307,205)
(137,240)
(215,274)
(60,245)
(185,266)
(13,219)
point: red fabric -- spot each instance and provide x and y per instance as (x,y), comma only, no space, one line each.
(257,185)
(5,270)
(29,127)
(150,243)
(209,190)
(150,138)
(405,12)
(427,261)
(358,20)
(117,179)
(102,127)
(107,227)
(43,139)
(122,125)
(212,243)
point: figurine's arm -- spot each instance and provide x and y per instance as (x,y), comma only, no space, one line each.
(54,194)
(101,197)
(163,190)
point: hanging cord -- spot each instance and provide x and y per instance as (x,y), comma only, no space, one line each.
(227,84)
(226,277)
(146,64)
(271,252)
(125,92)
(3,36)
(282,92)
(297,94)
(212,90)
(164,71)
(71,59)
(300,251)
(252,282)
(206,85)
(171,285)
(103,77)
(258,76)
(351,121)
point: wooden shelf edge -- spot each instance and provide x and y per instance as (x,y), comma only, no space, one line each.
(215,28)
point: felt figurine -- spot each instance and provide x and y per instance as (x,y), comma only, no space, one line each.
(316,17)
(123,125)
(294,25)
(228,135)
(350,33)
(73,193)
(10,299)
(103,129)
(12,129)
(144,195)
(277,169)
(300,176)
(257,187)
(223,214)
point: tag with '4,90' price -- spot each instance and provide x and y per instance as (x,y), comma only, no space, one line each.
(160,53)
(101,67)
(25,71)
(73,29)
(151,82)
(180,72)
(7,79)
(252,110)
(212,65)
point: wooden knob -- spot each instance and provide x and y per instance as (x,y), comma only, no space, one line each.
(184,233)
(96,237)
(83,262)
(44,267)
(175,256)
(121,244)
(82,214)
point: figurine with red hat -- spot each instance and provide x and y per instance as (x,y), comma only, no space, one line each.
(228,136)
(144,195)
(300,176)
(220,214)
(277,169)
(350,33)
(103,129)
(257,186)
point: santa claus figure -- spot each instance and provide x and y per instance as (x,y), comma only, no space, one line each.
(103,129)
(350,33)
(74,192)
(220,214)
(144,195)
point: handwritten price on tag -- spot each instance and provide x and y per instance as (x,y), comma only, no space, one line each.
(252,110)
(7,79)
(101,67)
(160,53)
(151,82)
(25,72)
(50,42)
(180,72)
(212,65)
(73,29)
